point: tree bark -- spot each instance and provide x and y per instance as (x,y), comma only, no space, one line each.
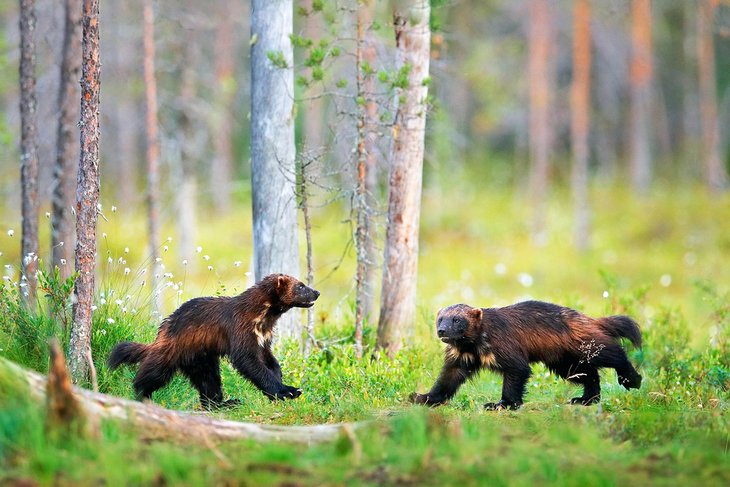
(151,422)
(540,40)
(87,194)
(714,169)
(153,151)
(67,151)
(273,182)
(640,83)
(400,272)
(580,120)
(28,153)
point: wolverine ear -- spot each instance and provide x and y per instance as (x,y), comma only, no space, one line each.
(279,281)
(439,312)
(476,313)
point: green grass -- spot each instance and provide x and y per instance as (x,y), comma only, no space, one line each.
(475,248)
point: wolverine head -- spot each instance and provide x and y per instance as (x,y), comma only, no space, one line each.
(457,323)
(292,292)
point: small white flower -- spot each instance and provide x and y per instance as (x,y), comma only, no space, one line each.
(63,261)
(127,270)
(210,267)
(525,279)
(175,287)
(237,263)
(11,232)
(109,260)
(247,273)
(126,250)
(164,248)
(93,307)
(206,257)
(110,321)
(605,294)
(48,214)
(169,239)
(103,235)
(103,331)
(114,209)
(179,293)
(185,262)
(102,301)
(199,249)
(168,275)
(665,280)
(119,302)
(60,244)
(158,259)
(124,310)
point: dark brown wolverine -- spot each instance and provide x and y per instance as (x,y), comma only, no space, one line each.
(506,340)
(194,337)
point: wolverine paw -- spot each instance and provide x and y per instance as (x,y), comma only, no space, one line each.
(210,405)
(632,383)
(585,401)
(286,392)
(500,406)
(417,398)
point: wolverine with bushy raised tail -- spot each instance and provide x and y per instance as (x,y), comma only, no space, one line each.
(507,340)
(194,337)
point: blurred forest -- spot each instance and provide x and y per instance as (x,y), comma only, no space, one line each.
(480,87)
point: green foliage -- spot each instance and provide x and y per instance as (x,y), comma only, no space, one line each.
(277,59)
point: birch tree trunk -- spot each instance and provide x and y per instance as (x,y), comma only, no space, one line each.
(640,83)
(541,86)
(28,153)
(153,150)
(400,271)
(714,169)
(580,120)
(67,152)
(87,194)
(272,148)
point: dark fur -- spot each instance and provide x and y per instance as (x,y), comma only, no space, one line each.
(506,340)
(194,337)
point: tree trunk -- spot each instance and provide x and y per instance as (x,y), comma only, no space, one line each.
(272,147)
(221,171)
(314,125)
(640,82)
(360,207)
(541,87)
(580,120)
(67,152)
(28,154)
(153,151)
(400,272)
(87,194)
(714,169)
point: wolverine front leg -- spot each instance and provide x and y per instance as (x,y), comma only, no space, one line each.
(453,374)
(252,365)
(513,388)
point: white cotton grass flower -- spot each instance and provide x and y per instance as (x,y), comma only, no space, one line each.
(525,279)
(210,267)
(126,250)
(48,214)
(665,280)
(11,232)
(199,249)
(237,263)
(169,239)
(185,262)
(206,257)
(605,294)
(165,248)
(114,209)
(109,260)
(127,270)
(63,261)
(110,321)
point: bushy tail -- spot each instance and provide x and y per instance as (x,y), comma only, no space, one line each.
(620,326)
(126,353)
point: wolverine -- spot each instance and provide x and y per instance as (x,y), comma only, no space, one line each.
(507,340)
(194,337)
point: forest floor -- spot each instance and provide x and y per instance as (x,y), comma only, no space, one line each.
(661,259)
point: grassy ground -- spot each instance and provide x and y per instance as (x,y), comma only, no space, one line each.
(661,259)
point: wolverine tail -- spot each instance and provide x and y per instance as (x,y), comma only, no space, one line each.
(126,353)
(620,326)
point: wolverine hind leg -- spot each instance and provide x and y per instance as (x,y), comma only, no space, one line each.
(152,375)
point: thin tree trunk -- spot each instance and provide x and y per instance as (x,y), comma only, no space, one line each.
(221,171)
(360,209)
(641,80)
(714,169)
(28,153)
(400,272)
(153,150)
(541,86)
(580,120)
(62,225)
(272,148)
(87,194)
(371,165)
(309,341)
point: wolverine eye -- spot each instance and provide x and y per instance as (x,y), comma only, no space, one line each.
(300,286)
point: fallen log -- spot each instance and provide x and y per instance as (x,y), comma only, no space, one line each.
(152,422)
